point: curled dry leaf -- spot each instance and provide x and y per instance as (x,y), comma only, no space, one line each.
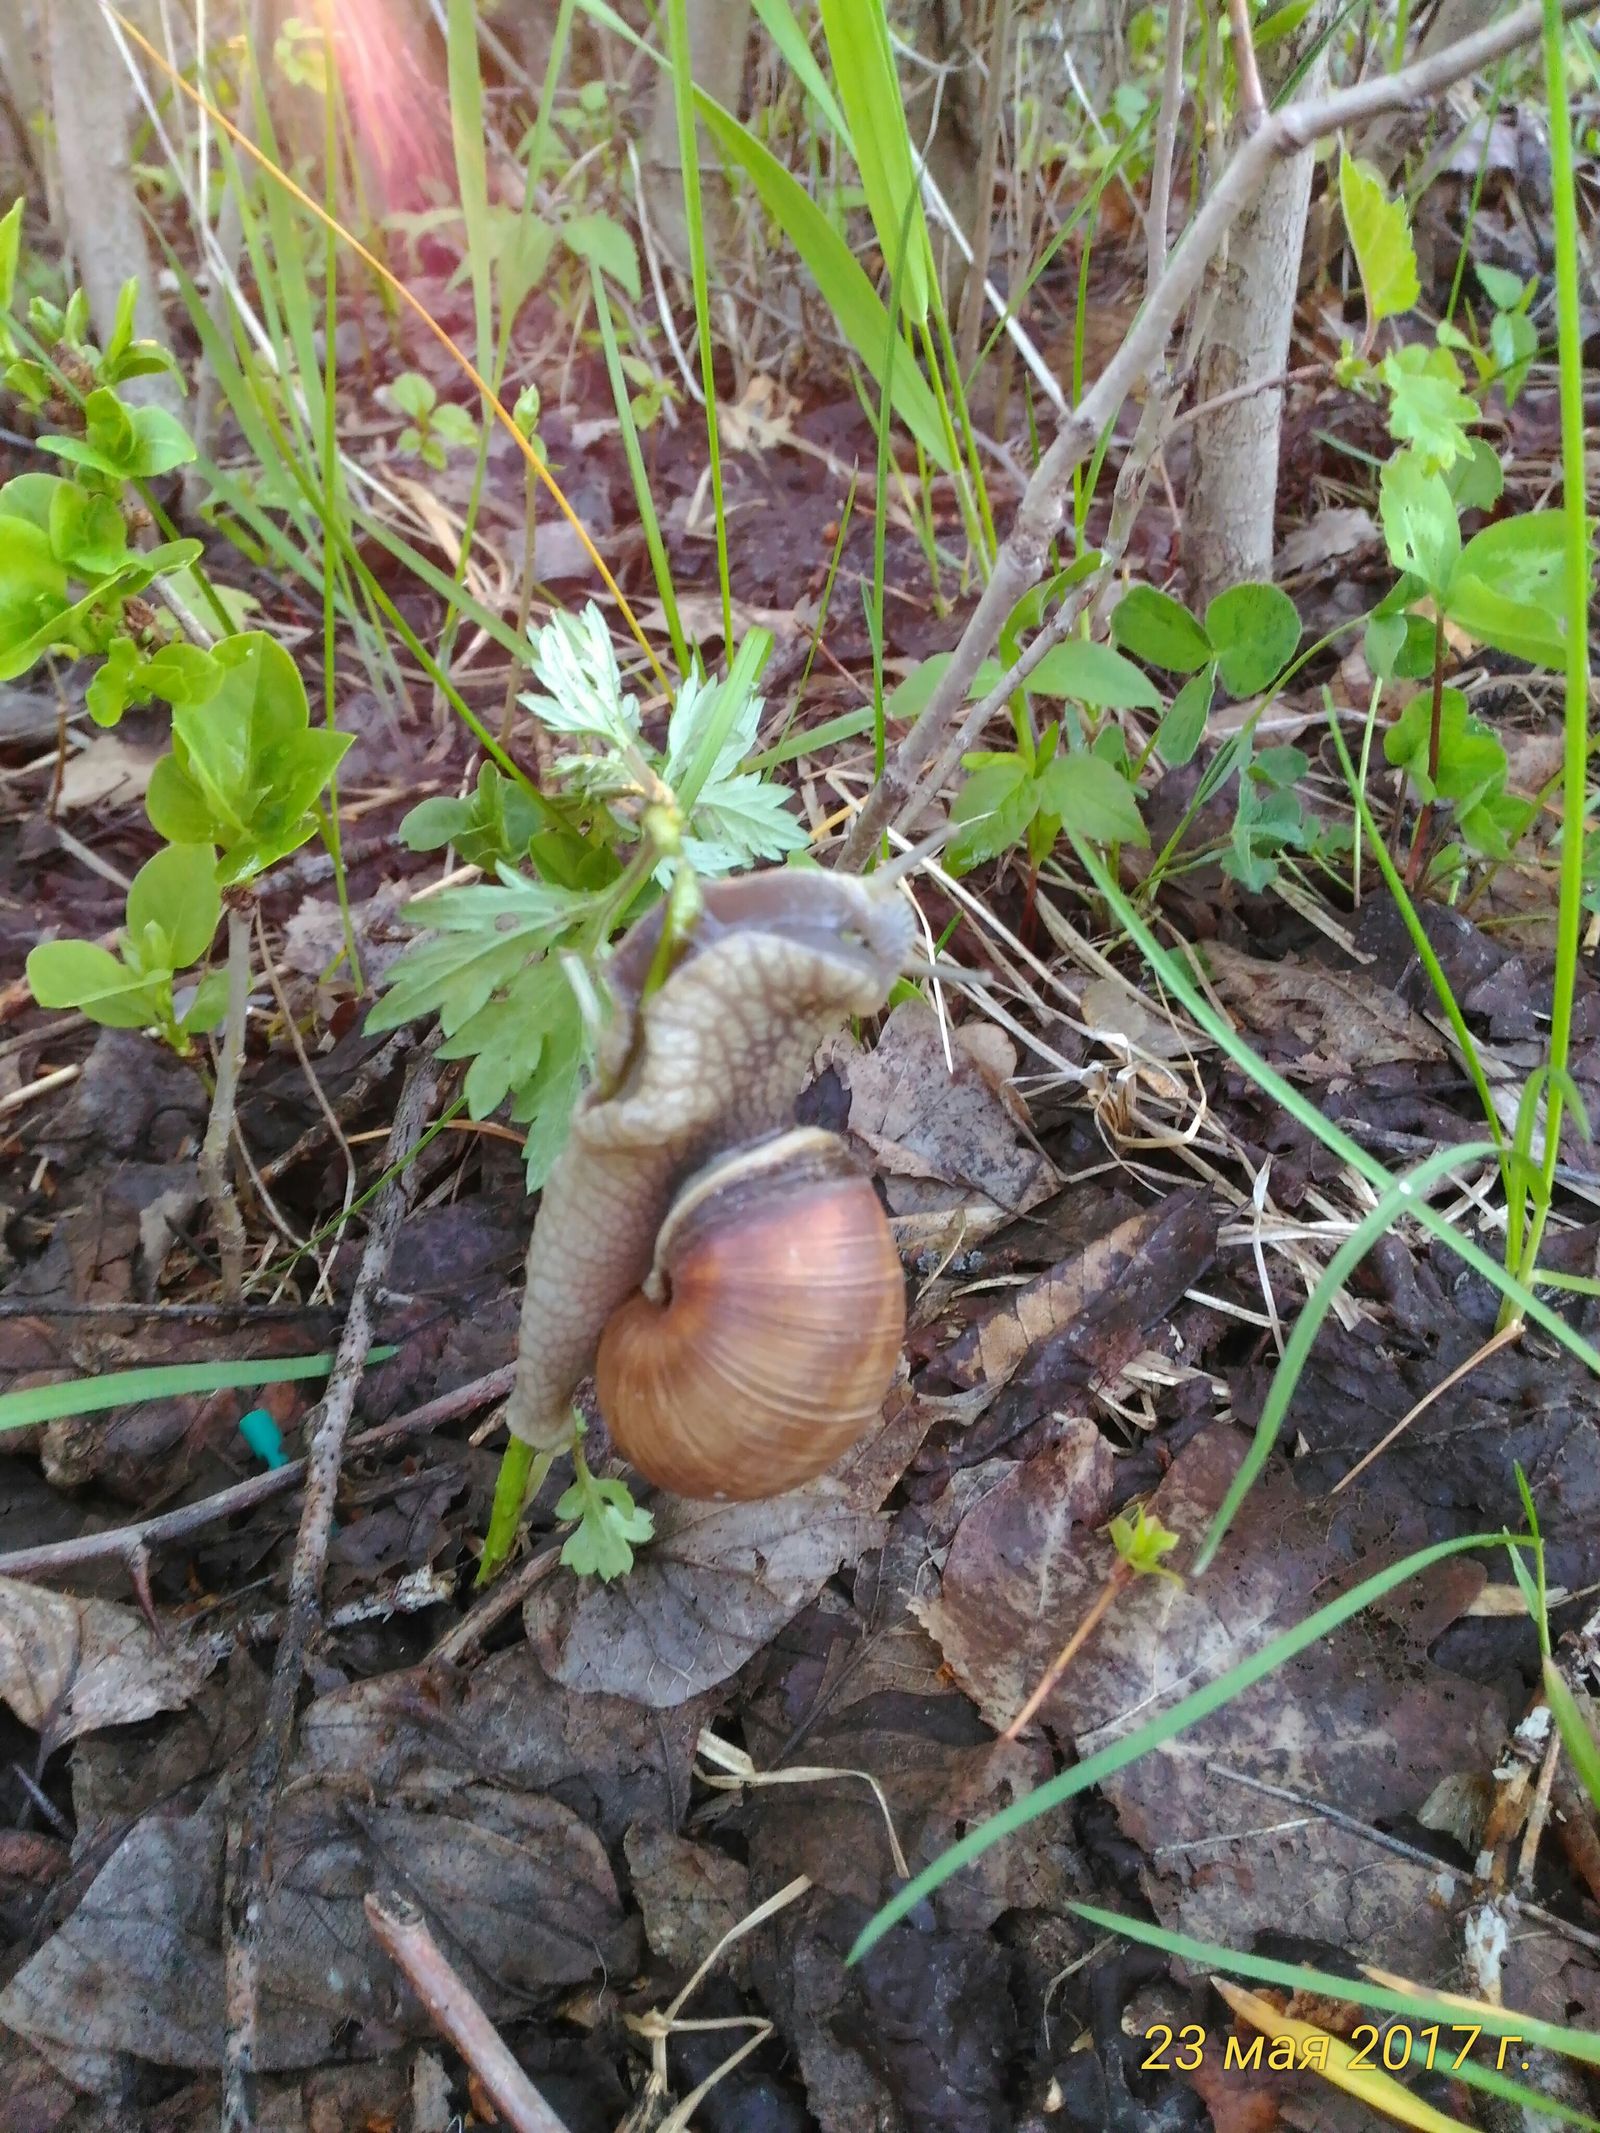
(70,1666)
(951,1154)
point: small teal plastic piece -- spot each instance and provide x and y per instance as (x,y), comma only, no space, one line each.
(264,1437)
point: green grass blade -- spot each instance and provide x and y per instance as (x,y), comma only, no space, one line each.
(1398,1200)
(683,100)
(1200,1703)
(857,309)
(660,566)
(869,90)
(161,1381)
(777,19)
(1577,1736)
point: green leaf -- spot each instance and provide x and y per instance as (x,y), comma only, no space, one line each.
(247,767)
(991,813)
(1513,342)
(10,253)
(1085,673)
(129,443)
(1427,408)
(208,1010)
(1159,630)
(544,1103)
(1523,558)
(177,892)
(1471,759)
(1255,630)
(1419,522)
(1380,237)
(455,425)
(100,985)
(1091,800)
(1184,726)
(602,243)
(1504,289)
(1383,643)
(1477,480)
(610,1525)
(412,394)
(1520,627)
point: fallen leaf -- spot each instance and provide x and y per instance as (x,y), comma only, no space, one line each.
(715,1585)
(70,1666)
(944,1143)
(690,1896)
(1322,1024)
(110,768)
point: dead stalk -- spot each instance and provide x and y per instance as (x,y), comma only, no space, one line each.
(402,1932)
(1166,142)
(244,1898)
(1043,509)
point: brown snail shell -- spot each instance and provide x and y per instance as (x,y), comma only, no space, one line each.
(768,1334)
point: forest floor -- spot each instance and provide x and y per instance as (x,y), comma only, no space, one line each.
(1109,1230)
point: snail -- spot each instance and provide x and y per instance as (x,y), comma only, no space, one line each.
(730,1280)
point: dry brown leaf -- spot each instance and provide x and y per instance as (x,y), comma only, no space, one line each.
(109,769)
(69,1666)
(1324,1023)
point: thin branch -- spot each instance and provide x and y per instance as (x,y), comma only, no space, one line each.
(1166,142)
(244,1899)
(402,1932)
(1043,509)
(126,1542)
(213,1166)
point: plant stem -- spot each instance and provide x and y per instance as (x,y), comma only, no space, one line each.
(1422,835)
(214,1178)
(521,1476)
(1575,755)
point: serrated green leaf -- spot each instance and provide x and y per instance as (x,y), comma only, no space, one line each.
(1478,480)
(1159,630)
(600,242)
(991,813)
(1427,407)
(1091,800)
(1380,237)
(1255,631)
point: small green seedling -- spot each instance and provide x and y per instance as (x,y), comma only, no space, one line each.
(435,427)
(174,905)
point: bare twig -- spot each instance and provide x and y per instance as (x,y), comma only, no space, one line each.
(402,1932)
(213,1165)
(249,1827)
(125,1542)
(1166,142)
(971,325)
(1041,513)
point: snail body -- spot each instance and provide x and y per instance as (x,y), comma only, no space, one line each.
(763,1342)
(641,1210)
